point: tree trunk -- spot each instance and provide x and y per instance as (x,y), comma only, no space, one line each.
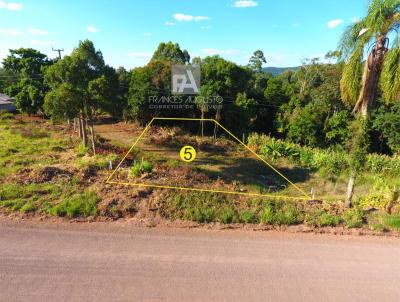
(84,132)
(366,99)
(202,122)
(372,71)
(80,127)
(217,118)
(92,137)
(350,190)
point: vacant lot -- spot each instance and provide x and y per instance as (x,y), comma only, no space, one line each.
(46,172)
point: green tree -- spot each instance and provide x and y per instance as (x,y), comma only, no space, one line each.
(124,80)
(81,84)
(171,52)
(226,80)
(257,60)
(387,122)
(27,66)
(359,86)
(150,87)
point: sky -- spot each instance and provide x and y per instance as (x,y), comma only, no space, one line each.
(128,31)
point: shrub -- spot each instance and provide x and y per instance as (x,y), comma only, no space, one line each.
(329,161)
(139,168)
(136,169)
(81,150)
(380,195)
(353,218)
(84,204)
(321,218)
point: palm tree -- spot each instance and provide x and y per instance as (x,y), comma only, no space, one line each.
(359,86)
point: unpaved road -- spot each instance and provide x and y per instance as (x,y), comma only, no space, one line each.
(119,262)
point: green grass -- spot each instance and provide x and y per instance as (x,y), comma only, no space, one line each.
(391,221)
(353,218)
(78,205)
(321,218)
(20,148)
(248,217)
(280,213)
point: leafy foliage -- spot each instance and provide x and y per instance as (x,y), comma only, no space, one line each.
(27,67)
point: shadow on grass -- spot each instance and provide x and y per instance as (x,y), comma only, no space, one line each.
(252,172)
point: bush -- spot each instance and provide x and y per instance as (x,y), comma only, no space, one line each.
(353,218)
(330,161)
(321,218)
(84,205)
(139,168)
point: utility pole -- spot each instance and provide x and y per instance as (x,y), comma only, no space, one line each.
(59,52)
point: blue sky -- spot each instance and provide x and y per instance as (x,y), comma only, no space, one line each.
(127,32)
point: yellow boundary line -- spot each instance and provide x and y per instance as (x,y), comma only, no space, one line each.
(205,190)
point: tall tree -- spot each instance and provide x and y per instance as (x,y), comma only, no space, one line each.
(81,84)
(257,60)
(171,52)
(359,86)
(27,66)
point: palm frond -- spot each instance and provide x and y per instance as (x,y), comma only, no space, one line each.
(351,39)
(351,77)
(380,15)
(390,78)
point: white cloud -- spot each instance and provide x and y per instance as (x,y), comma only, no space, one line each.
(147,34)
(92,29)
(42,43)
(222,52)
(36,31)
(201,18)
(334,23)
(10,5)
(245,3)
(355,19)
(169,23)
(10,32)
(205,27)
(14,6)
(183,17)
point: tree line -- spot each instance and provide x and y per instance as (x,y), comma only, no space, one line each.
(341,104)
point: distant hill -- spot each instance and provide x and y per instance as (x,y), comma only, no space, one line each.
(278,70)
